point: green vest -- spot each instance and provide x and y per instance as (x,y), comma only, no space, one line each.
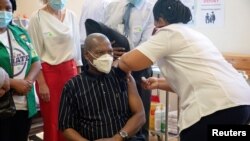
(23,39)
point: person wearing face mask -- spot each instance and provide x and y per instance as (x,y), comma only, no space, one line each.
(54,32)
(101,103)
(20,61)
(134,19)
(211,90)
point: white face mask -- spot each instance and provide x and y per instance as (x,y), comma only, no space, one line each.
(103,63)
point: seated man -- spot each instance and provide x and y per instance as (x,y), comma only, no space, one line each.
(100,103)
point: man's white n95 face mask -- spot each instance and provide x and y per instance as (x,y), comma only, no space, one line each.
(103,63)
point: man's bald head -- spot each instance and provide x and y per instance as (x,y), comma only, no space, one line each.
(95,40)
(96,44)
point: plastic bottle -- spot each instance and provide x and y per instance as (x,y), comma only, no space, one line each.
(163,119)
(158,119)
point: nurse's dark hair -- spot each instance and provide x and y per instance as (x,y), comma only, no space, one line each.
(13,3)
(173,11)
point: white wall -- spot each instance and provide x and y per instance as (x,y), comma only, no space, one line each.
(234,36)
(26,7)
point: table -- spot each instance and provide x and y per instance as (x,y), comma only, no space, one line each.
(156,71)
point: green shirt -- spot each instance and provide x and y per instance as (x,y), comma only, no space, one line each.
(23,40)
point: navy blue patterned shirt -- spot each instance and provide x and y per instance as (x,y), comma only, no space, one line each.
(95,106)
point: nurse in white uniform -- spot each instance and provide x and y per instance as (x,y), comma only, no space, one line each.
(211,91)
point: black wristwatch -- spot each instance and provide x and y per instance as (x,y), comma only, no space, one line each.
(123,134)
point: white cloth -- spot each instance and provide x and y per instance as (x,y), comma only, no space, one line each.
(173,130)
(141,21)
(196,71)
(172,121)
(91,9)
(172,114)
(173,126)
(2,76)
(55,41)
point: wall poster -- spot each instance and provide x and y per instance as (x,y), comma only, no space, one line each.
(210,13)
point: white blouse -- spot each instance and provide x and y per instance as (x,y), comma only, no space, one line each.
(196,71)
(55,41)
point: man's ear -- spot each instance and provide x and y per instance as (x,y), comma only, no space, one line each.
(86,55)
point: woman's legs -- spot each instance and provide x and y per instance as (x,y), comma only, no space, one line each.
(199,131)
(56,77)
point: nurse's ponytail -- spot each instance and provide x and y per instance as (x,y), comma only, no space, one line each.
(173,11)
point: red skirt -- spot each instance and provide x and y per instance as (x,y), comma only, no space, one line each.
(55,76)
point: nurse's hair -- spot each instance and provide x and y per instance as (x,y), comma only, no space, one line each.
(173,11)
(13,3)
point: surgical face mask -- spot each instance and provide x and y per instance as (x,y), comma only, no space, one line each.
(5,18)
(57,4)
(103,63)
(135,2)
